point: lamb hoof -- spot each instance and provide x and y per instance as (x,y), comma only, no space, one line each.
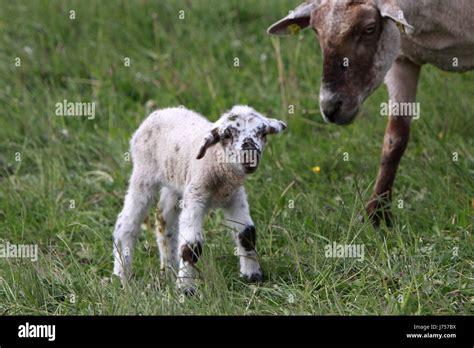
(124,279)
(117,279)
(189,292)
(167,273)
(254,278)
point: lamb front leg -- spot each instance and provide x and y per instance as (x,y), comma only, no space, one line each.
(190,240)
(237,218)
(402,81)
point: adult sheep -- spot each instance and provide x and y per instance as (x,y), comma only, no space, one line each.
(365,41)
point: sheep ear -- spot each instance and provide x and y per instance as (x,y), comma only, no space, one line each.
(389,9)
(210,139)
(275,126)
(298,19)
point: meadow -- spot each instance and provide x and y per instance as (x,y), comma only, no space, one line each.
(63,179)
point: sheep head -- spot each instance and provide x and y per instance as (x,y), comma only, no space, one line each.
(359,40)
(242,134)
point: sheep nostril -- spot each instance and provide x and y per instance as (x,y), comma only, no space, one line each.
(250,154)
(249,145)
(331,108)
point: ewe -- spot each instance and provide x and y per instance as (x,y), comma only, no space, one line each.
(366,41)
(203,164)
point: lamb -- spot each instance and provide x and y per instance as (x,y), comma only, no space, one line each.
(203,165)
(367,41)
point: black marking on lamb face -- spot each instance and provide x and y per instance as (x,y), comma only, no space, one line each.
(176,148)
(248,238)
(234,132)
(232,117)
(249,143)
(191,253)
(253,115)
(260,130)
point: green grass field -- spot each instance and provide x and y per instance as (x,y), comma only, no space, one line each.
(63,179)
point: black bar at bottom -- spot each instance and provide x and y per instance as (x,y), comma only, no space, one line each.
(186,330)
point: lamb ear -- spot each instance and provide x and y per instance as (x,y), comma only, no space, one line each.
(210,139)
(275,126)
(298,19)
(389,9)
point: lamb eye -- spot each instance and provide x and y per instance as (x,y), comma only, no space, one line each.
(227,134)
(370,29)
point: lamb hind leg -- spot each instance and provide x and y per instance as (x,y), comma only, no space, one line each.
(166,227)
(137,200)
(402,81)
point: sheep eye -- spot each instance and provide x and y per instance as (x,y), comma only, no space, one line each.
(227,134)
(370,29)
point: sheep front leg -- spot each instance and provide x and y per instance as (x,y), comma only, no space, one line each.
(402,81)
(237,217)
(190,240)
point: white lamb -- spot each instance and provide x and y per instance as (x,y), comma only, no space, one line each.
(203,164)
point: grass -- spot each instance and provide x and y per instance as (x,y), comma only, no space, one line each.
(67,189)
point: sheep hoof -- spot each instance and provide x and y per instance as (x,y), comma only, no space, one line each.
(116,280)
(124,279)
(379,211)
(257,278)
(190,291)
(166,273)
